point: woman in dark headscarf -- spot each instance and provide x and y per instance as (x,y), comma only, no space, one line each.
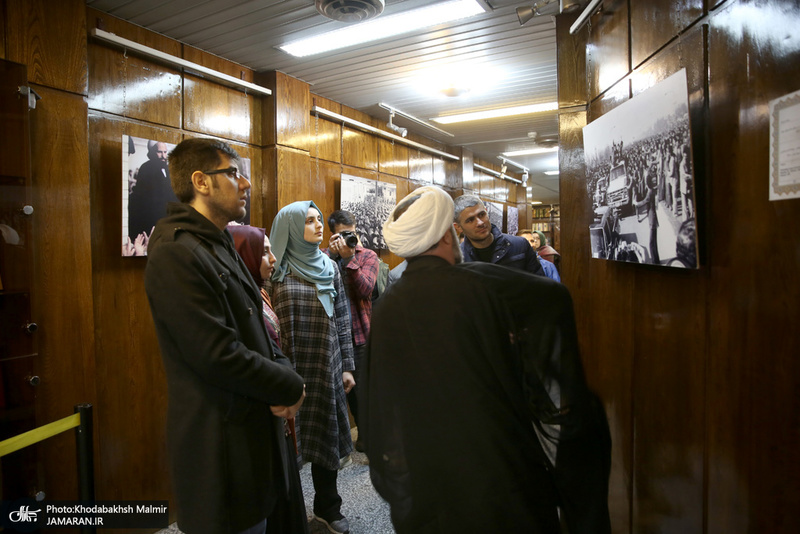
(311,303)
(254,247)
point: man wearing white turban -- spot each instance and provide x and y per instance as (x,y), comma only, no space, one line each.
(459,367)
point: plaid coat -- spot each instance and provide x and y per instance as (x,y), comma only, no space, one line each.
(321,348)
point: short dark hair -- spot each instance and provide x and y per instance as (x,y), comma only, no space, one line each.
(195,154)
(342,217)
(463,202)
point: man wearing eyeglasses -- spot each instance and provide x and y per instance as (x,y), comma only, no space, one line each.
(229,386)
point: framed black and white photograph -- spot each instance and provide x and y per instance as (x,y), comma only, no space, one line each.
(146,190)
(371,202)
(640,179)
(512,220)
(495,211)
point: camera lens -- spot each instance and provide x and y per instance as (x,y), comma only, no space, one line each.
(350,239)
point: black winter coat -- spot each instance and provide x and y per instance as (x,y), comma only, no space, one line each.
(223,373)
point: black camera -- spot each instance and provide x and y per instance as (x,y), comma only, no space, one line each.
(350,238)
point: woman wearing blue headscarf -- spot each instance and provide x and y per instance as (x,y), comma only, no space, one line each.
(311,304)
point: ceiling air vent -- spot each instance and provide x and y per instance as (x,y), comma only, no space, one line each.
(350,10)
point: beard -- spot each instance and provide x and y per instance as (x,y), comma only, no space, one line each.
(224,208)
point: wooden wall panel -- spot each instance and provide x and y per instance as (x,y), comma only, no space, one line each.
(439,171)
(753,407)
(571,55)
(326,136)
(359,149)
(131,412)
(656,22)
(62,256)
(3,23)
(133,87)
(259,204)
(393,158)
(214,109)
(420,166)
(680,358)
(607,56)
(296,182)
(102,21)
(452,174)
(49,37)
(219,64)
(287,119)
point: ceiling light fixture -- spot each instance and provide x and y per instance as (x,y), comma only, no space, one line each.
(383,27)
(524,14)
(502,175)
(514,163)
(394,111)
(496,113)
(551,173)
(530,151)
(392,126)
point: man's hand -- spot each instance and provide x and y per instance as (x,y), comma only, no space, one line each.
(338,246)
(348,381)
(288,411)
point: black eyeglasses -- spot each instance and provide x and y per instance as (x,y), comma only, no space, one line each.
(231,172)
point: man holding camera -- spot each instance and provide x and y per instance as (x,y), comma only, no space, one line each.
(359,268)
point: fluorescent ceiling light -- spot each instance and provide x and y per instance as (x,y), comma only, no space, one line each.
(383,27)
(536,202)
(530,151)
(551,173)
(495,113)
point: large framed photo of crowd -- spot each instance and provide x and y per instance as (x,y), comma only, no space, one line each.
(371,202)
(146,190)
(640,179)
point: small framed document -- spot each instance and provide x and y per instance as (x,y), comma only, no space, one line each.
(784,147)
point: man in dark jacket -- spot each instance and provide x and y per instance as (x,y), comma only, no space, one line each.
(229,386)
(477,414)
(483,241)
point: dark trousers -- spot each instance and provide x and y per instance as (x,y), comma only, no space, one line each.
(327,501)
(352,397)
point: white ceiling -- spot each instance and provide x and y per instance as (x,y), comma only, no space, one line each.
(518,62)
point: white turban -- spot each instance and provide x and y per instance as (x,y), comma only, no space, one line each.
(422,225)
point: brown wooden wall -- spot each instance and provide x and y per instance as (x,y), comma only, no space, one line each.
(698,370)
(96,339)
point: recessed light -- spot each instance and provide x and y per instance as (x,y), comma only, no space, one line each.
(495,113)
(383,27)
(531,151)
(551,173)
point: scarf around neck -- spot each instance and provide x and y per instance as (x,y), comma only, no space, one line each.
(297,256)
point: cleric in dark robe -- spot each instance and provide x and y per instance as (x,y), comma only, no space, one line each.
(477,416)
(152,192)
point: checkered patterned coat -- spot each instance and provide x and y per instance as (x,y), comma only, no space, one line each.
(321,348)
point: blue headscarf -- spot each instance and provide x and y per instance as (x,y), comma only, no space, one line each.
(297,256)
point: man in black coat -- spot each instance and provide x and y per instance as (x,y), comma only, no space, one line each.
(477,415)
(229,386)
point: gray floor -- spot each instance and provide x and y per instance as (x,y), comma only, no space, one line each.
(361,504)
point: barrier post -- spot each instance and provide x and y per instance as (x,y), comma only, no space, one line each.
(85,451)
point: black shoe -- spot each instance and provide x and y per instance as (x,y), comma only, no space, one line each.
(359,445)
(339,525)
